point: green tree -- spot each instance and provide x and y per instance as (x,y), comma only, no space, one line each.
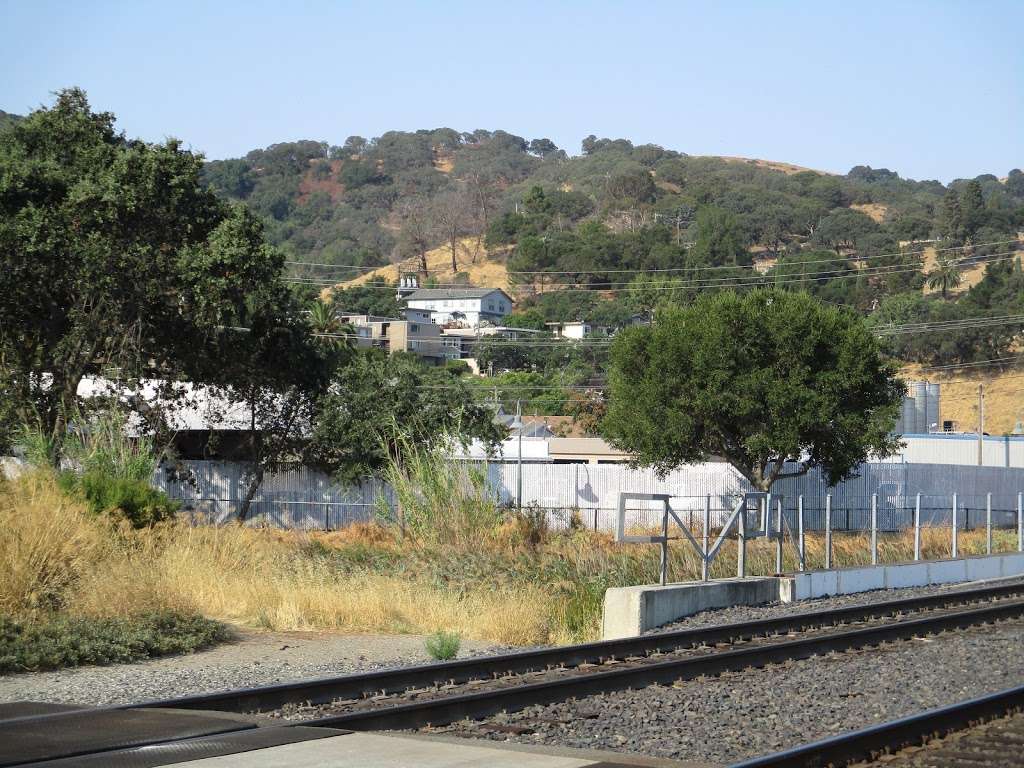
(720,241)
(972,206)
(114,255)
(762,379)
(379,406)
(951,218)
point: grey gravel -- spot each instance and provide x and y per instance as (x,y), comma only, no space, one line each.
(741,613)
(253,659)
(757,711)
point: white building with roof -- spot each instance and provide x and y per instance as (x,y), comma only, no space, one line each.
(468,306)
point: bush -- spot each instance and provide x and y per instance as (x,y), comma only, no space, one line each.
(62,641)
(443,646)
(134,500)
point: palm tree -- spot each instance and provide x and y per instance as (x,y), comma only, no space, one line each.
(945,274)
(328,328)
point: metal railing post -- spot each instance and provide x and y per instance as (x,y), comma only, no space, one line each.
(664,544)
(828,531)
(778,543)
(707,525)
(988,524)
(741,542)
(917,528)
(874,529)
(1020,522)
(801,544)
(956,534)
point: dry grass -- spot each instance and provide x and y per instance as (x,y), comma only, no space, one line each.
(969,277)
(518,584)
(481,267)
(54,555)
(876,211)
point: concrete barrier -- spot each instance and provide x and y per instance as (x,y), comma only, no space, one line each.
(631,611)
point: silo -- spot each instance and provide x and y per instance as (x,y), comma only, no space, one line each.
(919,389)
(908,417)
(933,410)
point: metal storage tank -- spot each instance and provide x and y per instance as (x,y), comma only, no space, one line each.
(933,411)
(908,417)
(919,389)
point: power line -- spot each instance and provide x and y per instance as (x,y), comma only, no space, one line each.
(685,269)
(706,283)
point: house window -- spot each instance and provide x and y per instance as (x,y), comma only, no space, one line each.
(414,328)
(490,306)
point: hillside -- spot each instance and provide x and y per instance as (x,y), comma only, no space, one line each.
(1004,396)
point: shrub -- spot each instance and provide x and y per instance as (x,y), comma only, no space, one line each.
(62,641)
(443,645)
(134,500)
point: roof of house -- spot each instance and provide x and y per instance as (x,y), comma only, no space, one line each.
(426,294)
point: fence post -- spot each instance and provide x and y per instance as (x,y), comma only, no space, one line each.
(828,531)
(988,524)
(1020,522)
(707,526)
(874,529)
(664,545)
(741,542)
(801,549)
(956,543)
(778,543)
(595,518)
(917,528)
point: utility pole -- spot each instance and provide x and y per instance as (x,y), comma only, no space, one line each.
(981,423)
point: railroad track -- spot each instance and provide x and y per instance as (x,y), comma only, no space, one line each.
(987,731)
(436,694)
(439,694)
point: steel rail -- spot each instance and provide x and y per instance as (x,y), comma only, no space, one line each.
(869,742)
(355,686)
(481,704)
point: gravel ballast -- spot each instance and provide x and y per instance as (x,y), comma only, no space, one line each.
(253,659)
(741,613)
(757,711)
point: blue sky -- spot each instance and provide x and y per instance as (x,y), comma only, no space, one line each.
(932,90)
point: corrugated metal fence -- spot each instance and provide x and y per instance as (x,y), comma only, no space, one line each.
(307,499)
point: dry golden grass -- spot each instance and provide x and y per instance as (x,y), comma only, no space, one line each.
(969,277)
(876,211)
(787,168)
(54,555)
(47,545)
(518,584)
(482,267)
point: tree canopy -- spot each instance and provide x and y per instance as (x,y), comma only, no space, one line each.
(761,379)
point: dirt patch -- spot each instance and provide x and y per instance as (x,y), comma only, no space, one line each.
(787,168)
(876,211)
(482,267)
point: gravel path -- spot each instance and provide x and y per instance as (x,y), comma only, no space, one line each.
(741,613)
(253,659)
(743,714)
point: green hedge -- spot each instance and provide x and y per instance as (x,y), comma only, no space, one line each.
(60,641)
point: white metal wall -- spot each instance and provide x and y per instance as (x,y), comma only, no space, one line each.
(308,499)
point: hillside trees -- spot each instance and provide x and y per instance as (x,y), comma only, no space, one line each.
(773,381)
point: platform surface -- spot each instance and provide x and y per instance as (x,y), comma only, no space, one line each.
(373,750)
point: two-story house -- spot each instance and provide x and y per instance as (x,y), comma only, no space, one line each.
(465,306)
(414,334)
